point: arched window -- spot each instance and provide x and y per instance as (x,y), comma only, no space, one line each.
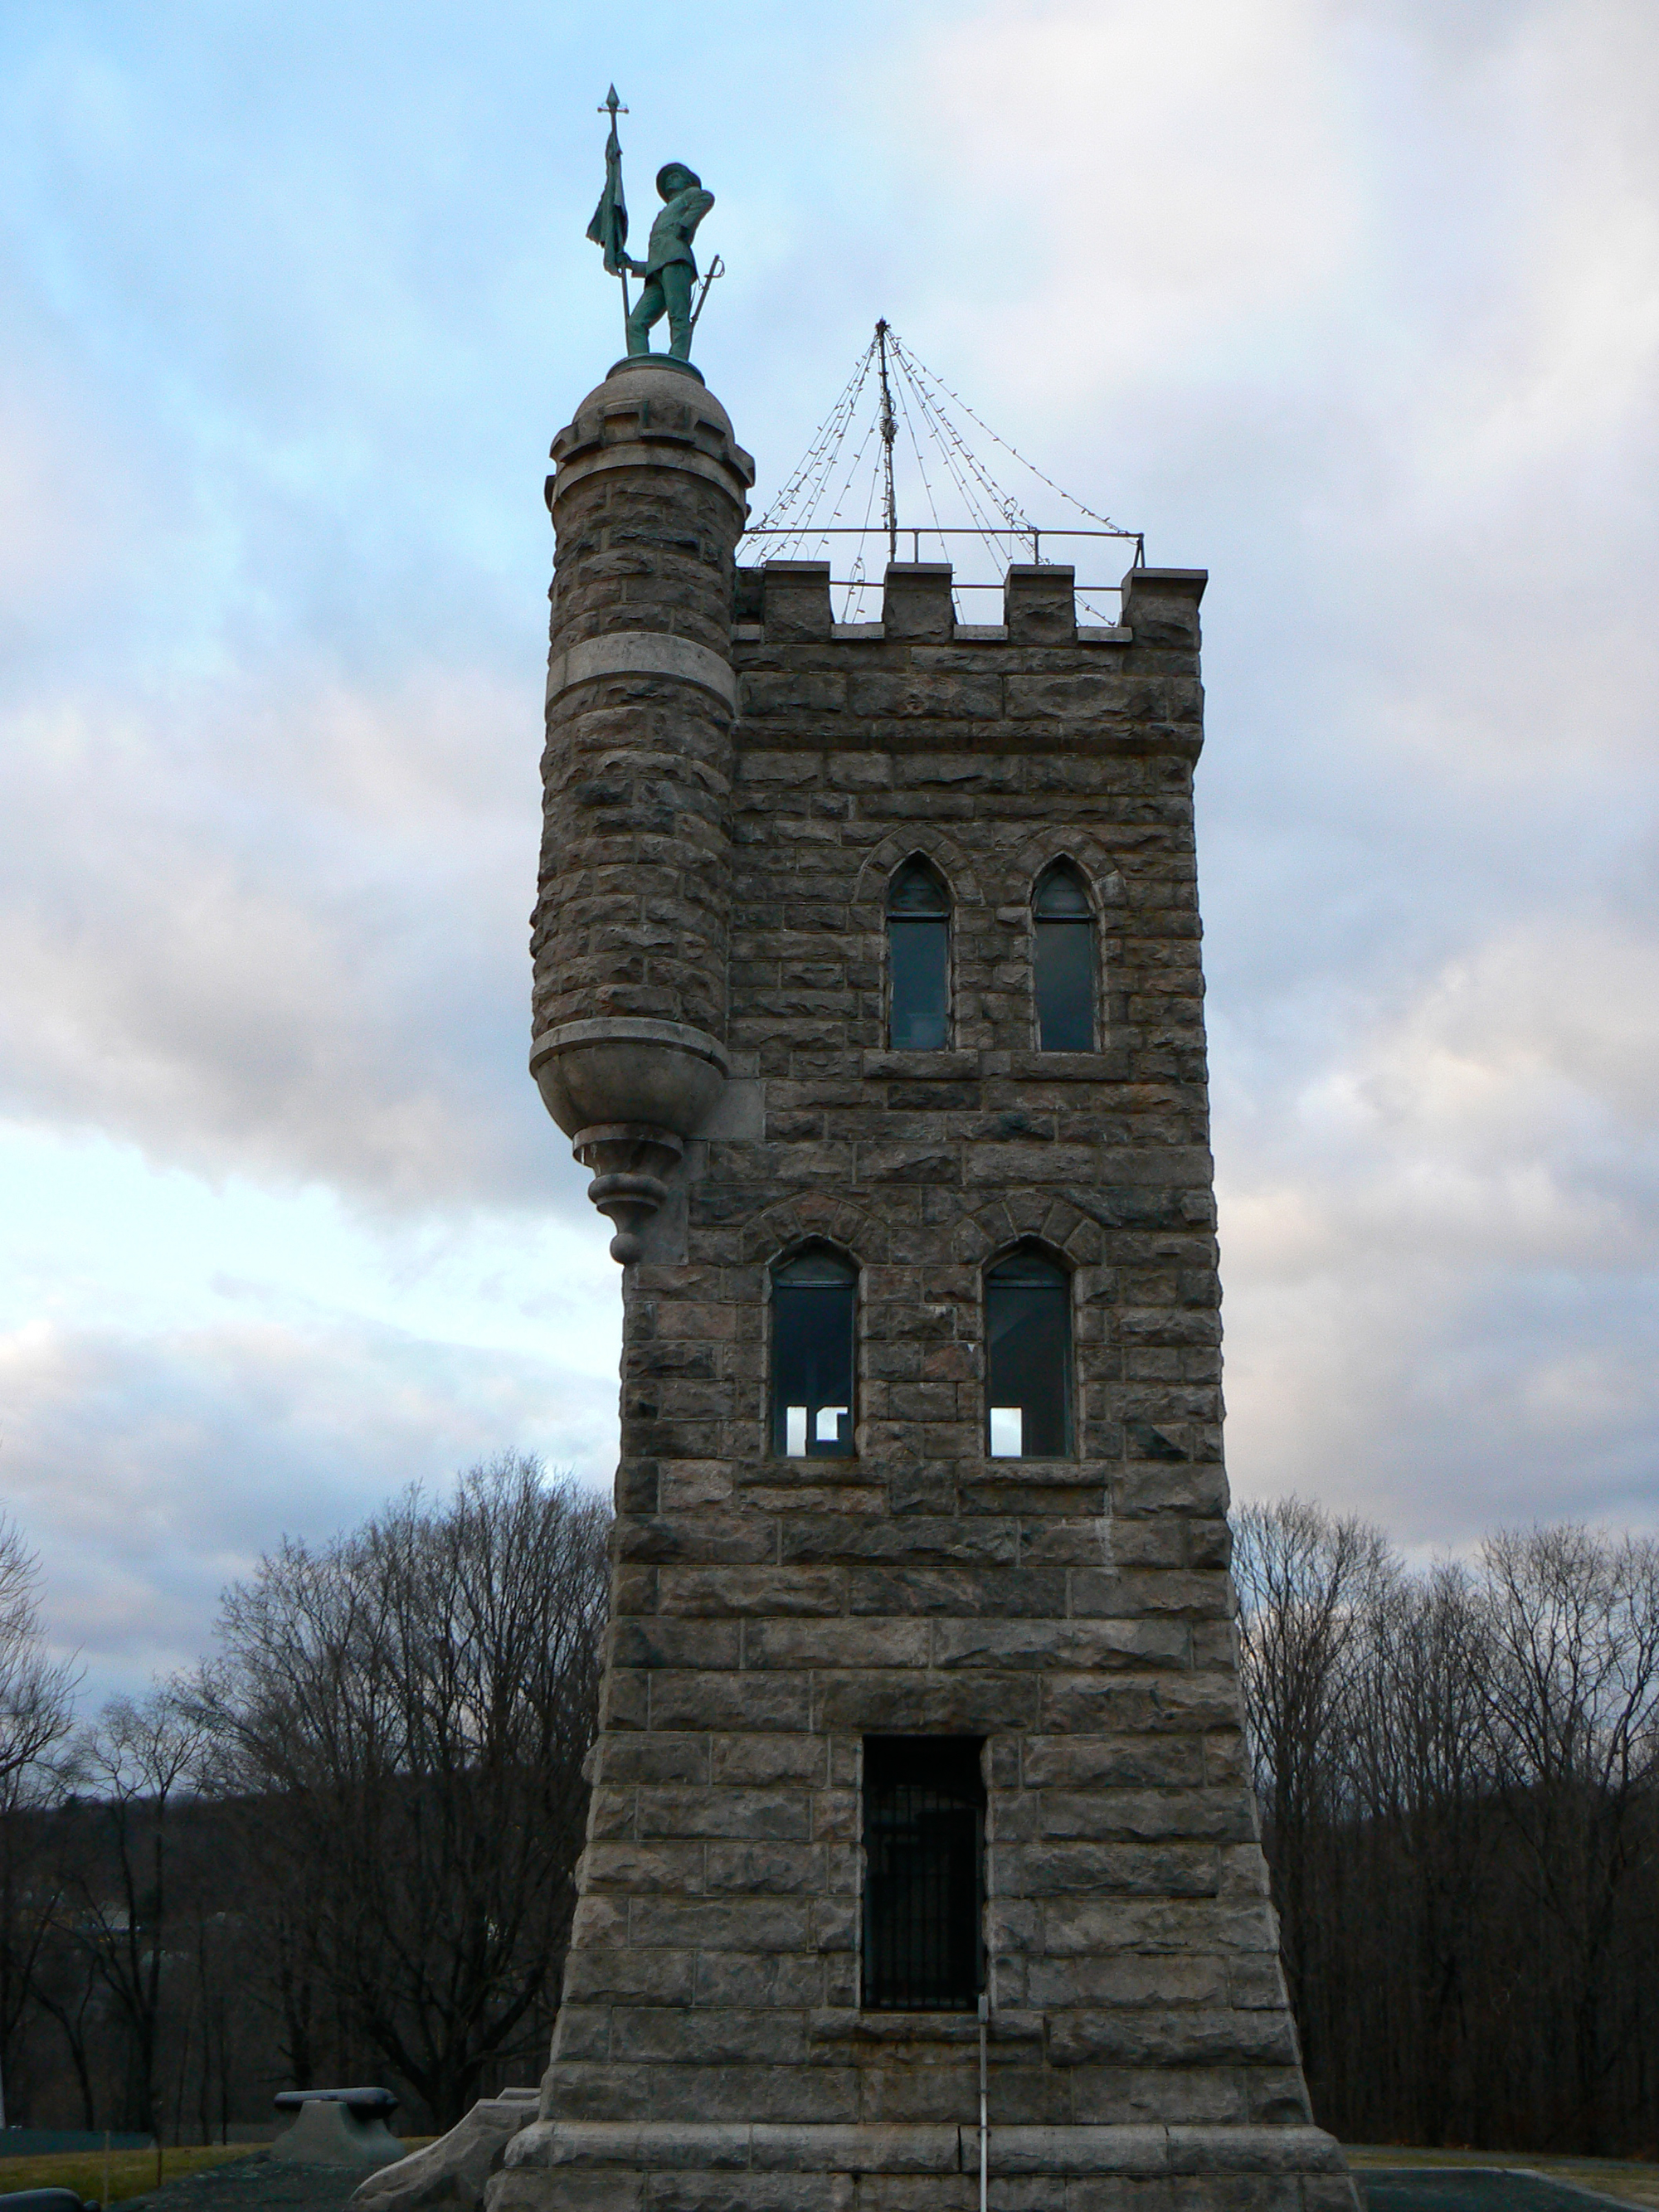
(813,1295)
(1063,961)
(1028,1358)
(918,961)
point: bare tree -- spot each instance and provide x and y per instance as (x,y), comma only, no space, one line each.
(1572,1619)
(418,1697)
(1305,1583)
(1459,1779)
(37,1712)
(372,1839)
(37,1692)
(1422,1845)
(135,1760)
(64,1983)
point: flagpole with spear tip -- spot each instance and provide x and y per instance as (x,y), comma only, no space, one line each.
(608,228)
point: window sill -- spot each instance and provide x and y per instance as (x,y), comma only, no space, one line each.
(1068,1067)
(959,2028)
(1027,1066)
(924,1067)
(897,2026)
(1075,1469)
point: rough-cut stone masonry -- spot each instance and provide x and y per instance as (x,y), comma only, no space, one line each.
(770,1612)
(635,872)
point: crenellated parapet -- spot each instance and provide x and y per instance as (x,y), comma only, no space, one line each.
(789,602)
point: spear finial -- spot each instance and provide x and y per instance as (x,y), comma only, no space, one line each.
(608,228)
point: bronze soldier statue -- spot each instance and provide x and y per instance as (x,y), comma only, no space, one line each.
(670,270)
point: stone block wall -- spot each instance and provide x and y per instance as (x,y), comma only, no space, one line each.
(1076,1614)
(634,890)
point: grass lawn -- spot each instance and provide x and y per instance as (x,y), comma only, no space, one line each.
(1608,2177)
(130,2172)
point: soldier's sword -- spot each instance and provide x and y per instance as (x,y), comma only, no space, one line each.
(716,268)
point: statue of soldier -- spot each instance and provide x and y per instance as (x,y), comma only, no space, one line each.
(668,268)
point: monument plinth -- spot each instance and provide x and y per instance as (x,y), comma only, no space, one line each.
(922,1865)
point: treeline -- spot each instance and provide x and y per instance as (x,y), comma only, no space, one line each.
(344,1847)
(1458,1774)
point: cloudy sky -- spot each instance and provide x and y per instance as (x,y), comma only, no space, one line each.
(1357,305)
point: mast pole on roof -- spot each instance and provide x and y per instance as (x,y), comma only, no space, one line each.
(890,510)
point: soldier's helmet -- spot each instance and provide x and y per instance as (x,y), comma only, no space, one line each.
(689,180)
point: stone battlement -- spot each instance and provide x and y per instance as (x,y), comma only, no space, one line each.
(788,603)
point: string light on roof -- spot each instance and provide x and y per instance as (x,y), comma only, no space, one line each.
(852,452)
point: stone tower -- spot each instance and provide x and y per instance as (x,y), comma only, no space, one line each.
(921,1867)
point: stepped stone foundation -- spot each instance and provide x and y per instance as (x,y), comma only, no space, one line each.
(732,780)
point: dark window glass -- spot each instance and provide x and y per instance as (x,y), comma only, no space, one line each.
(1064,962)
(918,961)
(924,1861)
(812,1300)
(1028,1358)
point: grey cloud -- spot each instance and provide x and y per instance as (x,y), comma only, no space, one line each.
(306,962)
(1445,1403)
(1421,474)
(149,1471)
(1444,1257)
(1352,302)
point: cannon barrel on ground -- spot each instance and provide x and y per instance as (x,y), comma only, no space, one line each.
(338,2127)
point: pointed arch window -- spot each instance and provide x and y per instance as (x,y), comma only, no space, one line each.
(918,961)
(1028,1358)
(814,1300)
(1063,961)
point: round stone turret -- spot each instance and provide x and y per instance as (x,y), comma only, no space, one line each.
(629,932)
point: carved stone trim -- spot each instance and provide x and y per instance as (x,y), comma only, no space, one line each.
(642,653)
(629,1161)
(635,1029)
(628,1091)
(637,455)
